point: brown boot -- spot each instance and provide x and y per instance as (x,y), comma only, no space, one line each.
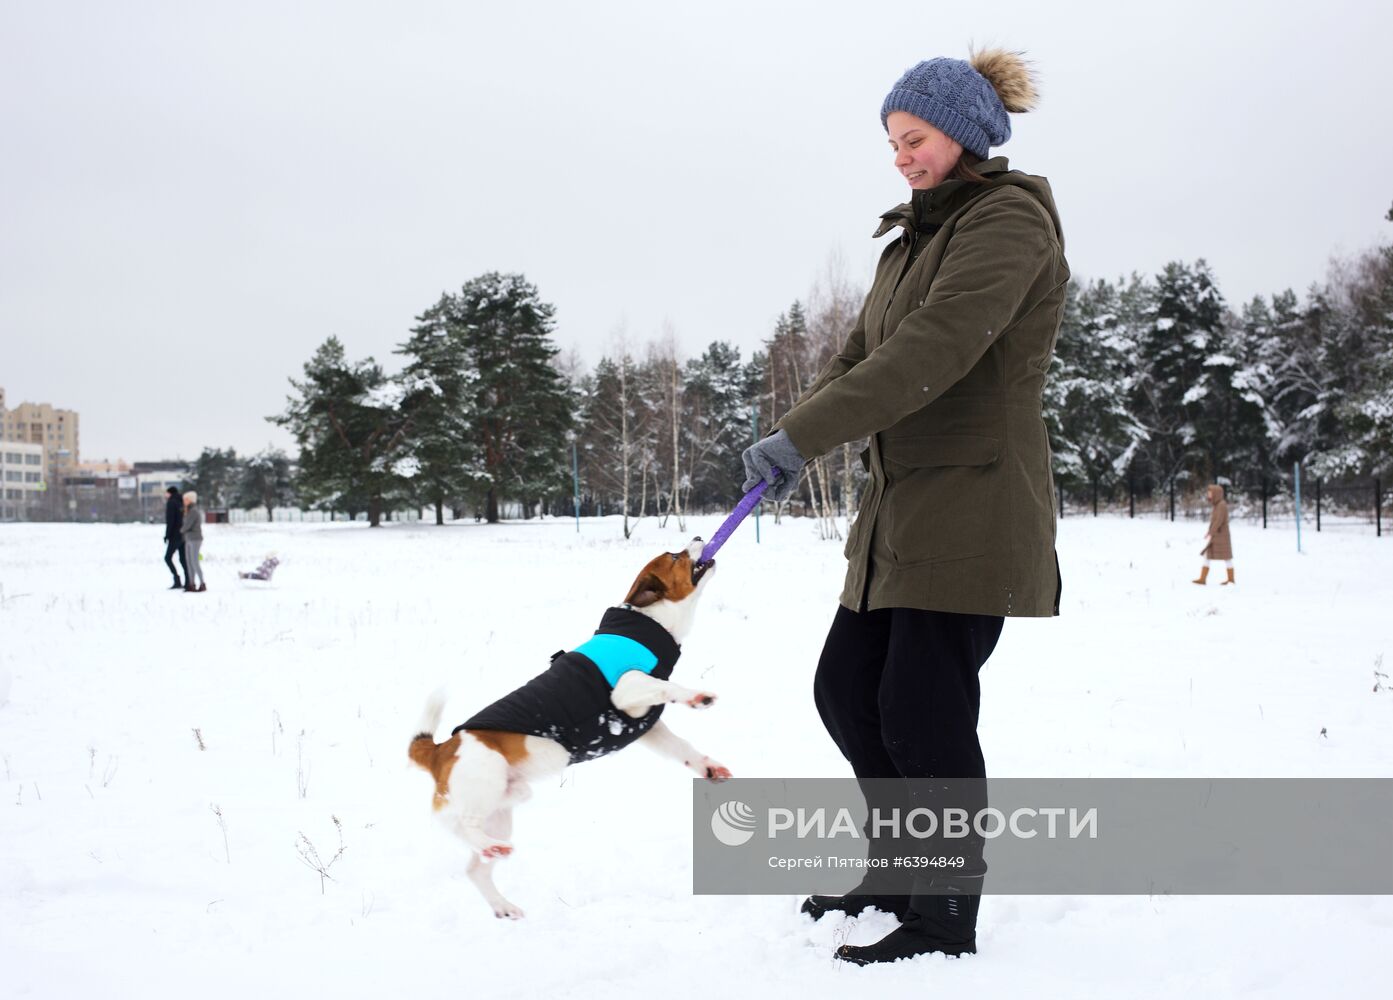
(1204,575)
(1229,580)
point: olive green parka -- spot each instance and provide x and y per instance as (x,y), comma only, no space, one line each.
(944,371)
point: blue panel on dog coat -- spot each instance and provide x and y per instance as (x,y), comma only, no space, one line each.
(617,654)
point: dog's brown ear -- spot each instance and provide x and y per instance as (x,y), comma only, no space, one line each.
(647,589)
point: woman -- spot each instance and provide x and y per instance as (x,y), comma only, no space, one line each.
(944,371)
(1217,543)
(192,530)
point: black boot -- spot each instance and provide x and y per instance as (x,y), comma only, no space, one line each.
(855,902)
(177,584)
(873,890)
(934,923)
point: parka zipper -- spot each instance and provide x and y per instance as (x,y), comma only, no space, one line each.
(908,263)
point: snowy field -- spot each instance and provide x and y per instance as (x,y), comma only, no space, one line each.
(119,878)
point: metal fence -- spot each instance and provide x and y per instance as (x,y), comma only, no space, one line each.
(291,515)
(85,505)
(1344,504)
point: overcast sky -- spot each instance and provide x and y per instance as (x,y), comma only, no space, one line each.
(196,195)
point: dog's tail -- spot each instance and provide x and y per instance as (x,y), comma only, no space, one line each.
(424,741)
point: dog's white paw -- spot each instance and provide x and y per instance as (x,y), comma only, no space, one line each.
(715,772)
(498,849)
(699,699)
(507,911)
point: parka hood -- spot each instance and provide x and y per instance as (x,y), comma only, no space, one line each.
(926,210)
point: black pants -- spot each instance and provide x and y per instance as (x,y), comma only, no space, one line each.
(897,689)
(171,547)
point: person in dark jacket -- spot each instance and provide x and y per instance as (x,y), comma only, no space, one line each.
(173,539)
(943,371)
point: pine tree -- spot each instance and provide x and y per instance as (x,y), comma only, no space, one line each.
(1092,432)
(517,404)
(1360,359)
(351,428)
(716,424)
(439,362)
(790,367)
(1228,413)
(266,481)
(1173,381)
(214,475)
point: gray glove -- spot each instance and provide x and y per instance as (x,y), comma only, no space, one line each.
(775,450)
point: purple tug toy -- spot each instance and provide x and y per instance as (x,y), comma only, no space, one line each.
(742,510)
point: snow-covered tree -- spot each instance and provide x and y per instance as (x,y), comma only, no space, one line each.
(517,403)
(715,424)
(351,427)
(266,481)
(1093,433)
(1181,364)
(214,476)
(447,461)
(1359,353)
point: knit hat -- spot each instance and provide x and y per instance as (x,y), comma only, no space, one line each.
(966,100)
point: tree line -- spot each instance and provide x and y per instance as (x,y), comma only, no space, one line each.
(222,478)
(485,409)
(1156,381)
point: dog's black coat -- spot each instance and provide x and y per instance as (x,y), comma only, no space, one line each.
(570,702)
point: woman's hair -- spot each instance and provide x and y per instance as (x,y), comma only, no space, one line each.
(966,169)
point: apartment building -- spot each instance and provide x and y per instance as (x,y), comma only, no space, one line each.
(22,480)
(55,430)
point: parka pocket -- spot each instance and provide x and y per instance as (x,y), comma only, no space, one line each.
(940,496)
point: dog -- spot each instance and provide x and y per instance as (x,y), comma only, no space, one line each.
(595,699)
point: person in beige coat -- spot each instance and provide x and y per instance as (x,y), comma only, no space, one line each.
(1217,543)
(192,530)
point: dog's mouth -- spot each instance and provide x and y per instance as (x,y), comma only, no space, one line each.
(699,569)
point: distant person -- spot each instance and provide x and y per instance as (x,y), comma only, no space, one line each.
(1217,544)
(173,538)
(264,571)
(193,541)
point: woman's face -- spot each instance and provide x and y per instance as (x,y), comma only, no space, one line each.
(923,155)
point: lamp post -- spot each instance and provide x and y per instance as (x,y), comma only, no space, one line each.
(575,478)
(754,439)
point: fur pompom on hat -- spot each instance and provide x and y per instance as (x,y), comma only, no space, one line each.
(966,100)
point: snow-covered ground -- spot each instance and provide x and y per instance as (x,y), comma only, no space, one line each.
(134,863)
